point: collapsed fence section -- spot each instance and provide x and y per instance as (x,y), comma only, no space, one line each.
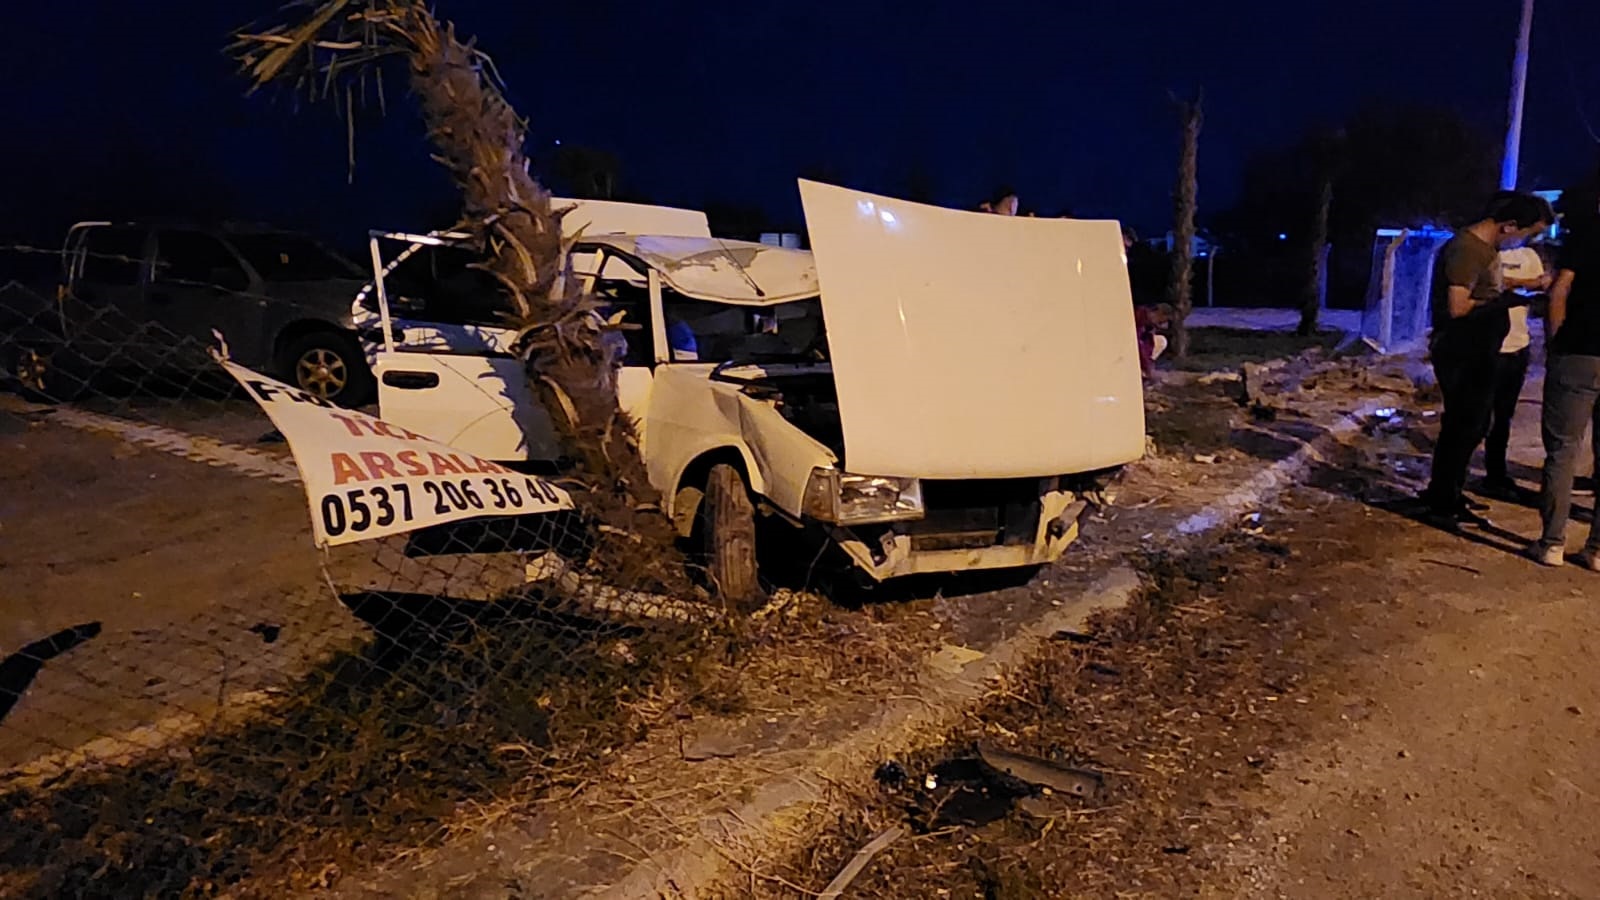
(193,698)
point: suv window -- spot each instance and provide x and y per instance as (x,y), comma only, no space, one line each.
(194,257)
(291,257)
(112,255)
(440,285)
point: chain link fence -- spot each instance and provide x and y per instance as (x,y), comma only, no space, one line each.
(193,699)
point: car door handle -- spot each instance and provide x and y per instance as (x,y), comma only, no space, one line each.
(411,381)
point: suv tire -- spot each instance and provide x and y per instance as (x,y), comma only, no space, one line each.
(37,370)
(329,365)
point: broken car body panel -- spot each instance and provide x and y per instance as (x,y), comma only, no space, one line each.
(692,418)
(1001,343)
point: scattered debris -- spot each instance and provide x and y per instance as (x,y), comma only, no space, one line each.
(1103,672)
(269,633)
(1044,806)
(891,775)
(1208,459)
(1076,637)
(858,862)
(966,791)
(1253,379)
(711,746)
(1262,413)
(951,659)
(1077,782)
(1451,565)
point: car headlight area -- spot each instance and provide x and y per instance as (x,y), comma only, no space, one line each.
(846,499)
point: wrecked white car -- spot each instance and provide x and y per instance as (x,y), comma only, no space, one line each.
(928,390)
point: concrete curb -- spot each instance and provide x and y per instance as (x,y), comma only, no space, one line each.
(247,461)
(777,810)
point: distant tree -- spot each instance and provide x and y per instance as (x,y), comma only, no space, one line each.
(736,221)
(1400,166)
(1386,166)
(586,173)
(1328,154)
(1185,199)
(1313,295)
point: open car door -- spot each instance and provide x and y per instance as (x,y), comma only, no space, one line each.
(445,367)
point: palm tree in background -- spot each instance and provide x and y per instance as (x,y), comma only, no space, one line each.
(1185,200)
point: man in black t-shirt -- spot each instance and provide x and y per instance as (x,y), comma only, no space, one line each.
(1470,321)
(1571,387)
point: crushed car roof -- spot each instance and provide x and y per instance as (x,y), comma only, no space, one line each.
(707,268)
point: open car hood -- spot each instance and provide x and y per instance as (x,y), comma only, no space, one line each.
(968,345)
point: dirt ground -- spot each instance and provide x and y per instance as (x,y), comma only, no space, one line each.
(141,591)
(161,566)
(1346,704)
(1334,701)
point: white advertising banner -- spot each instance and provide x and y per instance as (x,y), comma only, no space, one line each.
(366,478)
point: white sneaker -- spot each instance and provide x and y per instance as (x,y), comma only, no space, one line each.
(1554,557)
(1590,559)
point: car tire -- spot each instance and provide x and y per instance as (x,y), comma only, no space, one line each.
(39,375)
(329,365)
(728,533)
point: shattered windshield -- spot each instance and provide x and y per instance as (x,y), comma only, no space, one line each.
(701,331)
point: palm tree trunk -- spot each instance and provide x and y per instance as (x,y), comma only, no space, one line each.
(1313,296)
(1185,202)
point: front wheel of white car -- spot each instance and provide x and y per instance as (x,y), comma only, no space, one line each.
(728,532)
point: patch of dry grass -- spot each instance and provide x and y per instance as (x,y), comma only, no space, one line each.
(1173,699)
(399,747)
(1211,349)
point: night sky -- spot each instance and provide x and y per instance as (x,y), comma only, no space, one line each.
(122,109)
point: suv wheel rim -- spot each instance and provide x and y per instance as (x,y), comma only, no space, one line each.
(30,368)
(321,372)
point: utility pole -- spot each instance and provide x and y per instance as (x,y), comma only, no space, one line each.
(1519,84)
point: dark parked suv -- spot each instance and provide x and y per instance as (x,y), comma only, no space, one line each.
(149,296)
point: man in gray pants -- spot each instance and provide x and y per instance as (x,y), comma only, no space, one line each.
(1571,388)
